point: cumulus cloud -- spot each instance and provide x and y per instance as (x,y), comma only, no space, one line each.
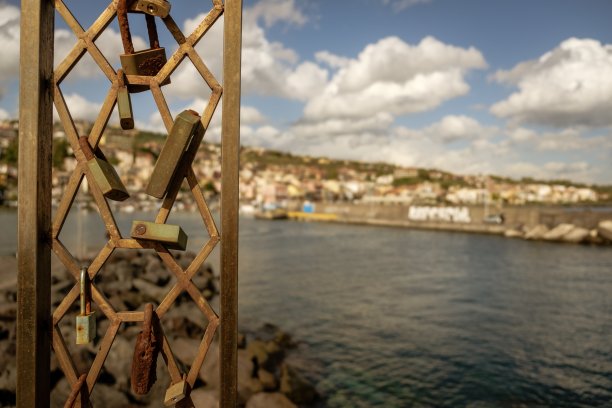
(566,140)
(268,67)
(80,108)
(9,37)
(377,124)
(578,170)
(454,128)
(399,5)
(568,86)
(109,44)
(332,60)
(275,11)
(250,115)
(4,114)
(395,77)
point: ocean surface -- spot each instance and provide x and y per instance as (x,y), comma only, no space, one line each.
(391,317)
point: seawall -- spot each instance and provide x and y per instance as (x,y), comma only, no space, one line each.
(462,218)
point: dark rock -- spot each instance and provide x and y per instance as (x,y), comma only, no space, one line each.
(241,341)
(205,398)
(209,373)
(186,349)
(604,229)
(149,291)
(267,379)
(107,396)
(295,387)
(119,361)
(257,352)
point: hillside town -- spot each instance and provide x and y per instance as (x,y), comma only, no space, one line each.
(270,179)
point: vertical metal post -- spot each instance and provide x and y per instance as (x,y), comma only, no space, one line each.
(230,157)
(34,213)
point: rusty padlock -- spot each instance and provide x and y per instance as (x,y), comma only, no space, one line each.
(124,103)
(86,320)
(143,63)
(148,344)
(171,236)
(157,8)
(176,392)
(104,174)
(186,127)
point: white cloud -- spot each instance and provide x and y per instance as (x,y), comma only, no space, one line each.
(268,67)
(334,61)
(109,44)
(399,5)
(578,170)
(275,11)
(377,124)
(568,86)
(250,115)
(80,108)
(566,168)
(457,127)
(4,114)
(566,140)
(395,77)
(9,37)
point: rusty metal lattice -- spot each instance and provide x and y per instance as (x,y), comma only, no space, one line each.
(86,44)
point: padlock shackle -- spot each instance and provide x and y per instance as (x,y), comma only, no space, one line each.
(147,324)
(85,302)
(124,28)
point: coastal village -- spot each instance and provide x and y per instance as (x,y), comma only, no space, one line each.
(270,179)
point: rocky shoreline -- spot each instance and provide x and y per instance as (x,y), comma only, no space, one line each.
(565,233)
(266,376)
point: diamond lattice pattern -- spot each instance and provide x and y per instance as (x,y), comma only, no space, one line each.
(86,44)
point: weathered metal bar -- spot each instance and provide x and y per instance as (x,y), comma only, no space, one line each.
(34,257)
(230,157)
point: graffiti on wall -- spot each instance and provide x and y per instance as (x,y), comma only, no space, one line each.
(447,214)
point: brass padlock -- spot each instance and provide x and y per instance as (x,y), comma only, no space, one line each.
(104,174)
(144,362)
(143,63)
(176,392)
(187,125)
(86,321)
(171,236)
(124,103)
(157,8)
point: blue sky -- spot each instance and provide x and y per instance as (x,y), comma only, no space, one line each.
(518,88)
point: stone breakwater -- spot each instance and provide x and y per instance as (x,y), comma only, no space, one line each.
(567,233)
(267,377)
(553,224)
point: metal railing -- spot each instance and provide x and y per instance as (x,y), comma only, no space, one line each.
(39,233)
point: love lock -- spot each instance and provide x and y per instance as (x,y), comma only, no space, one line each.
(104,174)
(148,344)
(158,8)
(86,320)
(124,103)
(176,392)
(171,236)
(143,63)
(187,127)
